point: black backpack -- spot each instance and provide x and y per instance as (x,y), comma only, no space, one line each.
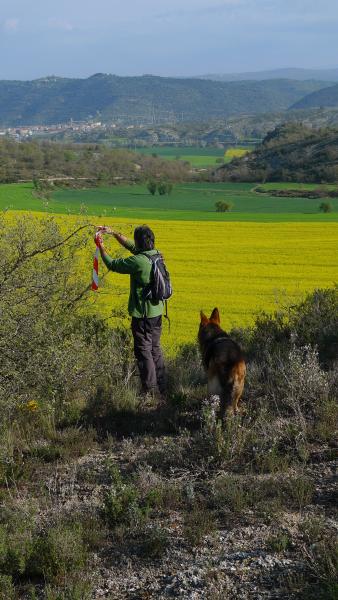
(159,288)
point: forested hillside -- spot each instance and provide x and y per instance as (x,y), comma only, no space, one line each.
(326,97)
(289,153)
(55,100)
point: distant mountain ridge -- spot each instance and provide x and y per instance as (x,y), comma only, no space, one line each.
(326,97)
(107,97)
(287,73)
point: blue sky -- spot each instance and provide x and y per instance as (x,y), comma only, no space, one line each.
(174,37)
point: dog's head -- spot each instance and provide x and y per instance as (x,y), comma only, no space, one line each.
(209,326)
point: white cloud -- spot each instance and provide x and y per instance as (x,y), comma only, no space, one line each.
(60,24)
(11,25)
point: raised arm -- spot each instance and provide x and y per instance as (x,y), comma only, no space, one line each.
(125,242)
(119,265)
(122,239)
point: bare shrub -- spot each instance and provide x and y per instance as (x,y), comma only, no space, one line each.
(198,523)
(54,358)
(185,373)
(306,383)
(155,542)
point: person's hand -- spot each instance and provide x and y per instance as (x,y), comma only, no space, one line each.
(105,229)
(98,240)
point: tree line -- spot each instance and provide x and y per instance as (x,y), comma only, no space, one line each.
(72,164)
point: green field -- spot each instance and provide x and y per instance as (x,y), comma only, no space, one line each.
(197,157)
(188,202)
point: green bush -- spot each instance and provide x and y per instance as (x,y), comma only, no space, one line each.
(59,553)
(7,590)
(299,491)
(313,529)
(325,423)
(325,207)
(123,503)
(54,370)
(234,493)
(279,542)
(313,322)
(223,206)
(164,188)
(198,522)
(152,187)
(320,579)
(72,590)
(56,555)
(155,543)
(16,545)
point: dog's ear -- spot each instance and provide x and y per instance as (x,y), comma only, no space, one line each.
(214,317)
(204,319)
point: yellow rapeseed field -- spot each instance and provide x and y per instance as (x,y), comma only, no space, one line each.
(240,267)
(235,152)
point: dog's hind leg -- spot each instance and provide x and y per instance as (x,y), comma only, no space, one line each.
(237,392)
(226,401)
(238,385)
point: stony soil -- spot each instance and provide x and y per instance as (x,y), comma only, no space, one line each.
(234,562)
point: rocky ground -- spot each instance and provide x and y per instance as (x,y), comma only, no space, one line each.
(247,554)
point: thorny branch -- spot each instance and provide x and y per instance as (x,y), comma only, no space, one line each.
(24,257)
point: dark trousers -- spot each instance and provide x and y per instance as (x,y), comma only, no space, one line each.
(148,353)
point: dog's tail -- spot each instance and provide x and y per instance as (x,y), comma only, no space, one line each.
(233,388)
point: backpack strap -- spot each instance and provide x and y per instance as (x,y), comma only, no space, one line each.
(166,314)
(145,286)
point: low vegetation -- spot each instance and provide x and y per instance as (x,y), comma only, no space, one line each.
(285,192)
(92,480)
(223,206)
(162,187)
(325,207)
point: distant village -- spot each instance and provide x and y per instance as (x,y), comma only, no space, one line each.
(119,133)
(29,131)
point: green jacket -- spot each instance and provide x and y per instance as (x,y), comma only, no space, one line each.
(138,267)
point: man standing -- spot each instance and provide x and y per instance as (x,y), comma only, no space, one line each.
(146,324)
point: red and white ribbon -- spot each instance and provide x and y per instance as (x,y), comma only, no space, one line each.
(98,241)
(95,280)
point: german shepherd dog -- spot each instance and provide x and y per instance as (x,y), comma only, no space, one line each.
(224,363)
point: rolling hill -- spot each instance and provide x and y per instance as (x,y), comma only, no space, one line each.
(326,97)
(289,153)
(107,97)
